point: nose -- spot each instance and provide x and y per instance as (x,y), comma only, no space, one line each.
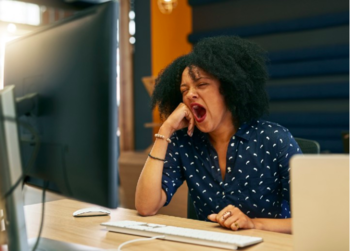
(192,94)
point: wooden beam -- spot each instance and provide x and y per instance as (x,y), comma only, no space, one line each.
(126,107)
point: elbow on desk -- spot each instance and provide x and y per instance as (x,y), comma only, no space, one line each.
(145,211)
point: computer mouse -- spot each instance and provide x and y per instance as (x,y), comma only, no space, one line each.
(91,211)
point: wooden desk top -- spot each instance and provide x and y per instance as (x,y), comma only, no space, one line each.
(59,224)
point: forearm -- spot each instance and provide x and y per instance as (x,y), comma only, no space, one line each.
(275,225)
(150,197)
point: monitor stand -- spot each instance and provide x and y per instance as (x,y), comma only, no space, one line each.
(10,173)
(46,244)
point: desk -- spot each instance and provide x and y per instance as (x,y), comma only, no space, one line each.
(59,224)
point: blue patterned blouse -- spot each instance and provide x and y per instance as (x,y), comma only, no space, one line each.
(257,170)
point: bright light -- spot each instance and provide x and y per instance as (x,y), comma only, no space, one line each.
(11,28)
(2,59)
(4,38)
(132,27)
(132,40)
(132,14)
(19,12)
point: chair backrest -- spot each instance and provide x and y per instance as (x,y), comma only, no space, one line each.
(191,212)
(307,147)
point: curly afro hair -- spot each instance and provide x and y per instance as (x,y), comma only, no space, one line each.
(237,63)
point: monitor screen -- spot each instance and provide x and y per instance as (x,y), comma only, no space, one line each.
(71,66)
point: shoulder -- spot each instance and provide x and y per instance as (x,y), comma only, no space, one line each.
(274,132)
(270,126)
(272,129)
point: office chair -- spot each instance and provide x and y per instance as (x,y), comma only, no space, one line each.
(345,140)
(307,147)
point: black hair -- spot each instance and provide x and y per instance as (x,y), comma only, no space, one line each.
(237,63)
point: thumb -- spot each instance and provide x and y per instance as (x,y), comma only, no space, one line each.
(212,217)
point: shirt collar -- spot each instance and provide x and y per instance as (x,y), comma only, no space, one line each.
(244,130)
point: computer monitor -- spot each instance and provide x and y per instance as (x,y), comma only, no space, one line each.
(72,67)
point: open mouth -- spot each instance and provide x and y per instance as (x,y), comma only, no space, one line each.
(199,112)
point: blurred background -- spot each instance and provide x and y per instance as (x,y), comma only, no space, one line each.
(307,43)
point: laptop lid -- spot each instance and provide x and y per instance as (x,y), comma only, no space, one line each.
(320,202)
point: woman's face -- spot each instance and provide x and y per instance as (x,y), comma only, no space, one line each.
(201,94)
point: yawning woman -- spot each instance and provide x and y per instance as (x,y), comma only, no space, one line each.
(236,165)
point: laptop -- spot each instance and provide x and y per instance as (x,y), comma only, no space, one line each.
(320,202)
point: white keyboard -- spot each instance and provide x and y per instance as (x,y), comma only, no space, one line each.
(180,234)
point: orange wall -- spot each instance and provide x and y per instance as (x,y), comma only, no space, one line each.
(169,34)
(169,37)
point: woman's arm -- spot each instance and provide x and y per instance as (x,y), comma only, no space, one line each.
(150,196)
(232,217)
(275,225)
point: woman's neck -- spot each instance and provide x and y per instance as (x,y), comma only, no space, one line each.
(223,134)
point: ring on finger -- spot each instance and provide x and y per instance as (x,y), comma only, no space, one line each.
(226,215)
(236,225)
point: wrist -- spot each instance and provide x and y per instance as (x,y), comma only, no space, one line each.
(165,130)
(257,224)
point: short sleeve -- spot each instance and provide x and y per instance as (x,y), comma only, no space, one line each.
(173,176)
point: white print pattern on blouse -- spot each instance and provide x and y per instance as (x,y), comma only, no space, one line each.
(259,165)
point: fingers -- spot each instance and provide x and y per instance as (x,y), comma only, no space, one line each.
(223,214)
(232,217)
(227,216)
(180,118)
(212,217)
(190,119)
(231,221)
(235,226)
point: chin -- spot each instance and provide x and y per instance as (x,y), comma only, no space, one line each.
(203,128)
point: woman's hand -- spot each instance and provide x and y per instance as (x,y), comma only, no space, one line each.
(180,118)
(232,217)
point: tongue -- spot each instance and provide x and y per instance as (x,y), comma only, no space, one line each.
(200,111)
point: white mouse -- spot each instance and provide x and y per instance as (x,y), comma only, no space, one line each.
(91,211)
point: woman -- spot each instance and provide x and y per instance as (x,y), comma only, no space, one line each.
(236,165)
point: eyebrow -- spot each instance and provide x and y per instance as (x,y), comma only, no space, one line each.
(200,77)
(183,85)
(196,79)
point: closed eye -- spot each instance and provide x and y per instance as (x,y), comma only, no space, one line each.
(183,91)
(201,85)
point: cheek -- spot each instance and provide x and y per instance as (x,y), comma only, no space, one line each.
(219,103)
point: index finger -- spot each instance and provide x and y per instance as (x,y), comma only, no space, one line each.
(189,117)
(225,213)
